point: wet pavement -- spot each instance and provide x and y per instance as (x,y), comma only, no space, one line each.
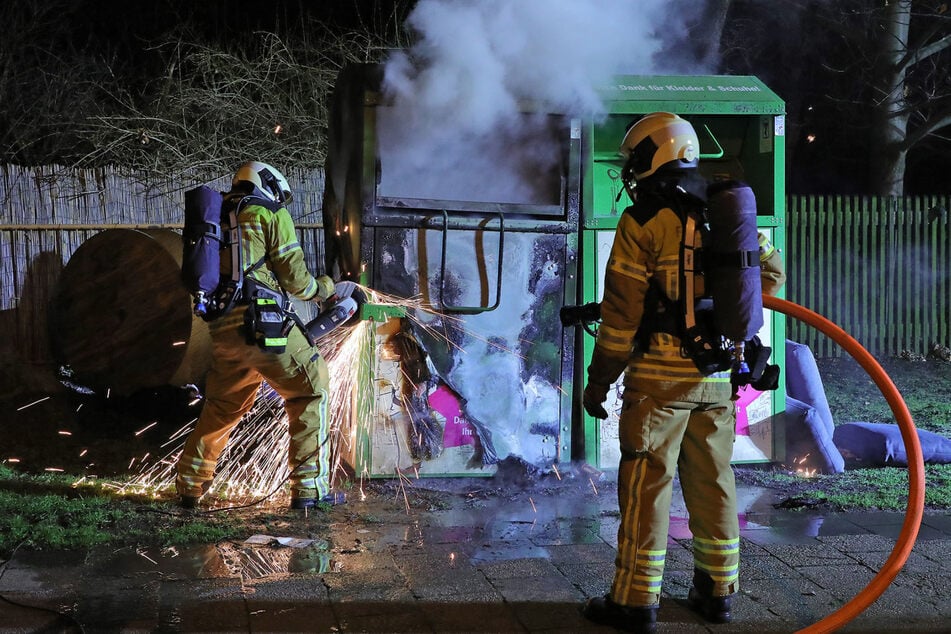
(522,562)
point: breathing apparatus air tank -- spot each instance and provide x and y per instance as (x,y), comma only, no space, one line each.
(731,261)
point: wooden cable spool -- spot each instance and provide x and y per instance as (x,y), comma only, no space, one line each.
(121,319)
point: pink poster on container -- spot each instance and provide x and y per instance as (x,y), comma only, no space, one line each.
(458,431)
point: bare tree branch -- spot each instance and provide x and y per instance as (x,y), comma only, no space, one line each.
(211,104)
(926,129)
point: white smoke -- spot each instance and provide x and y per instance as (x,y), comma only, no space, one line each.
(478,111)
(469,98)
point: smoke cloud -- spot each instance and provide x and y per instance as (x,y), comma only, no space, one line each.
(471,99)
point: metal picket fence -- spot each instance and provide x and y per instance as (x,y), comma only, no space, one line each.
(877,266)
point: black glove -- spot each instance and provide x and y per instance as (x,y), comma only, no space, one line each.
(769,380)
(594,396)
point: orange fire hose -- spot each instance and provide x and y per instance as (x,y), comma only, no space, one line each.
(916,467)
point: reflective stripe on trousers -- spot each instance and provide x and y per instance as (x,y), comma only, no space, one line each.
(309,457)
(299,375)
(658,439)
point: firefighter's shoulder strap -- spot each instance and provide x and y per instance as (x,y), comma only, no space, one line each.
(698,338)
(663,314)
(232,207)
(660,314)
(232,287)
(691,217)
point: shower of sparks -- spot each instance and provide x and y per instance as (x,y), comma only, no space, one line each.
(554,468)
(532,502)
(32,404)
(181,431)
(805,472)
(146,428)
(254,462)
(141,553)
(63,432)
(592,486)
(403,479)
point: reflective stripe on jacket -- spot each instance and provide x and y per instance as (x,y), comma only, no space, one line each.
(272,233)
(646,249)
(772,272)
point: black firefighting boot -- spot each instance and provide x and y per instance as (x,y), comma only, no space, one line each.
(186,495)
(334,498)
(701,600)
(604,611)
(188,501)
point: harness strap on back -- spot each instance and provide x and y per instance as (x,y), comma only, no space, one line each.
(688,262)
(732,259)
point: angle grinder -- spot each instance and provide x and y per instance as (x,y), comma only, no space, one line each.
(344,310)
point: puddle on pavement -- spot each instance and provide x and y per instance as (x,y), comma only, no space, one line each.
(257,562)
(223,560)
(500,529)
(494,529)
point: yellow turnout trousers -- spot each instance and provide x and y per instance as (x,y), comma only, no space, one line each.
(657,438)
(301,378)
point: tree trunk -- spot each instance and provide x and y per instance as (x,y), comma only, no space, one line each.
(889,121)
(710,32)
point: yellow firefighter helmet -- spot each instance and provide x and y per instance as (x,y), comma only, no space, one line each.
(266,180)
(660,140)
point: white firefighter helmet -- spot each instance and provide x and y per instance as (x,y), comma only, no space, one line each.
(658,140)
(266,180)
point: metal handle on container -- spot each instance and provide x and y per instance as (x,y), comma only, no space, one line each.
(470,310)
(712,155)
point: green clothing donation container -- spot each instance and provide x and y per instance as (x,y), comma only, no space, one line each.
(741,126)
(487,372)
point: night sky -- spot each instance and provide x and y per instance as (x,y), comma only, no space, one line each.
(125,34)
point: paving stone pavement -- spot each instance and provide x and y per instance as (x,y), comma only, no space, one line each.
(522,564)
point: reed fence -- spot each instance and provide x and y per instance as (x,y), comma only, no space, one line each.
(878,267)
(47,212)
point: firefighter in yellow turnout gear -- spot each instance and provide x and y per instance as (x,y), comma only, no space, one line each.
(298,374)
(673,418)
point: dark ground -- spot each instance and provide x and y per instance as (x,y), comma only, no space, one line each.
(88,434)
(924,382)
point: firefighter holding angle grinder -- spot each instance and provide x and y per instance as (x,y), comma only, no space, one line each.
(678,407)
(286,358)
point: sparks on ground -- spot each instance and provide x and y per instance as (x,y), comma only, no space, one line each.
(254,465)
